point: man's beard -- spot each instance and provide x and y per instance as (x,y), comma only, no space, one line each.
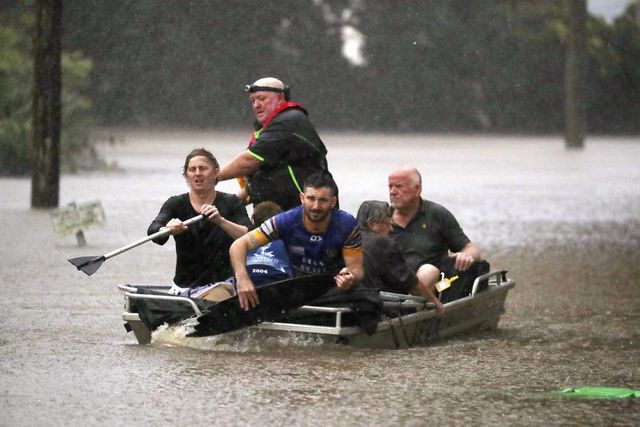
(318,219)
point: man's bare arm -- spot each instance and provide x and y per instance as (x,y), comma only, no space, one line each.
(247,295)
(352,273)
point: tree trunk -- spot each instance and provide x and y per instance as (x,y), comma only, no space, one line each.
(45,173)
(575,72)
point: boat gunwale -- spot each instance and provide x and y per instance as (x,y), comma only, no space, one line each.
(410,318)
(498,283)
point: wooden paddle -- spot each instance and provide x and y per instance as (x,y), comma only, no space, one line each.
(91,264)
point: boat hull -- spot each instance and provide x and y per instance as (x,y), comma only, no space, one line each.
(406,320)
(474,313)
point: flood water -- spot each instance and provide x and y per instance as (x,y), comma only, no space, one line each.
(566,224)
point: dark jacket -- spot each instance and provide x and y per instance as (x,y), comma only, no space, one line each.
(384,266)
(289,150)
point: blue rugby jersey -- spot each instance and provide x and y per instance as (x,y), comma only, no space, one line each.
(313,253)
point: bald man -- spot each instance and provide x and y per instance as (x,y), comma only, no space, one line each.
(284,151)
(428,234)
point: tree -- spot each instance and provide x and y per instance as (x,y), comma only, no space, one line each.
(16,78)
(45,178)
(17,24)
(613,98)
(459,65)
(575,112)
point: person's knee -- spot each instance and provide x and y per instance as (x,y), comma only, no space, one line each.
(218,292)
(428,274)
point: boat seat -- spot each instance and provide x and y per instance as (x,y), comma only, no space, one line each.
(463,286)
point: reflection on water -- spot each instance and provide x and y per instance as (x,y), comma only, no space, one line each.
(565,223)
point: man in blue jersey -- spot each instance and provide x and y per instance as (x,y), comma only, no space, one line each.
(268,263)
(318,238)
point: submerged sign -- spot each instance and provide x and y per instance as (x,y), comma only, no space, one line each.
(77,217)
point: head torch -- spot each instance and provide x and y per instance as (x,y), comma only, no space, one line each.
(254,88)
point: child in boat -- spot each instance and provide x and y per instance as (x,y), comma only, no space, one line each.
(385,268)
(266,264)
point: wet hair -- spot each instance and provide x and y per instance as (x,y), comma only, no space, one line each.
(319,180)
(372,210)
(199,152)
(265,210)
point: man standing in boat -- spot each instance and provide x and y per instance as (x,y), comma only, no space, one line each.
(284,150)
(318,238)
(429,235)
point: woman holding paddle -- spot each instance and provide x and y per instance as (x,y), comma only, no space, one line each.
(202,248)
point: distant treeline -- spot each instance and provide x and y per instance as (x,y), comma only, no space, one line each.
(427,65)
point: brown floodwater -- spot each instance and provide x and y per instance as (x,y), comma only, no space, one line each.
(565,223)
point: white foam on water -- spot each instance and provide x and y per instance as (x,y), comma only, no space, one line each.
(241,341)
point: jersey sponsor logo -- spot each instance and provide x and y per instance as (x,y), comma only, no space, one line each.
(297,250)
(264,251)
(315,238)
(317,268)
(311,266)
(312,270)
(262,260)
(311,261)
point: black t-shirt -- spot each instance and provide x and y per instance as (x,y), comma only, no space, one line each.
(202,252)
(289,150)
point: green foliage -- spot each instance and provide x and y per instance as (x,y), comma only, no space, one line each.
(16,79)
(15,103)
(77,149)
(614,101)
(432,65)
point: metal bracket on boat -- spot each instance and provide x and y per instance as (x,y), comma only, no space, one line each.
(390,296)
(500,276)
(130,292)
(318,309)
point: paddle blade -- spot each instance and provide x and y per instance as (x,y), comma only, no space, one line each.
(88,264)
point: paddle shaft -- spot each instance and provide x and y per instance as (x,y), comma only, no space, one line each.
(160,233)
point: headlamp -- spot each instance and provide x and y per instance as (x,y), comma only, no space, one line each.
(255,88)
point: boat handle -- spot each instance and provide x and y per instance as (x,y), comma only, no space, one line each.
(186,300)
(500,275)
